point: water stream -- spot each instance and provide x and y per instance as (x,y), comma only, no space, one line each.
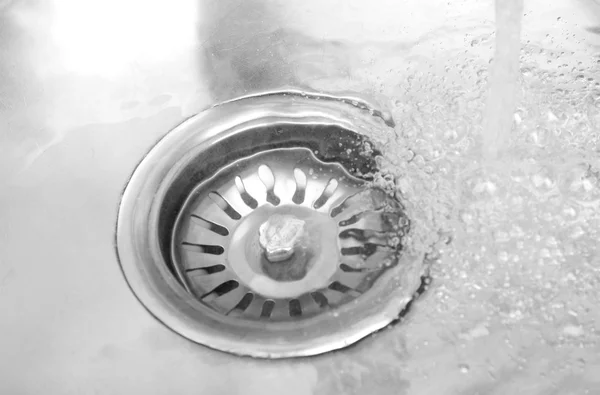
(503,81)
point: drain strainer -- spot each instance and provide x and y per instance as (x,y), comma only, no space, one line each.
(253,229)
(282,235)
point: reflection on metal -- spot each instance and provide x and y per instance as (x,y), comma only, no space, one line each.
(264,207)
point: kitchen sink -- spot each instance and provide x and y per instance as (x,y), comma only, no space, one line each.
(317,197)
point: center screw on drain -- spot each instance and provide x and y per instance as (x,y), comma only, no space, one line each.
(280,235)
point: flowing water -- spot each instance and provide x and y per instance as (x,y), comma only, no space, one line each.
(498,120)
(514,233)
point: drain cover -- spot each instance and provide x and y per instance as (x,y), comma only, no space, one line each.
(349,237)
(253,229)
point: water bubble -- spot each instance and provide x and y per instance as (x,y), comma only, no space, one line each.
(485,186)
(502,237)
(576,232)
(543,180)
(516,231)
(464,368)
(451,135)
(571,277)
(466,217)
(573,331)
(569,212)
(518,118)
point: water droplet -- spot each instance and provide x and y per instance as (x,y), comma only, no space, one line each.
(569,212)
(570,277)
(518,119)
(485,186)
(573,331)
(451,135)
(464,368)
(466,217)
(502,237)
(577,232)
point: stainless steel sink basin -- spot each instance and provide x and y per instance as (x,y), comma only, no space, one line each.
(87,88)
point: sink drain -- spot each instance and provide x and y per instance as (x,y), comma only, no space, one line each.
(253,228)
(221,244)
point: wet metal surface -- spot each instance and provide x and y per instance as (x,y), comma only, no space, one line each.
(352,287)
(86,88)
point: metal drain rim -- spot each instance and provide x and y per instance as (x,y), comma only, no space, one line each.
(163,296)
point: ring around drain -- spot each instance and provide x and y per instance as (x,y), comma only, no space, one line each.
(190,217)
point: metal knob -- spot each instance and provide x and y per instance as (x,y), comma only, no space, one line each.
(280,235)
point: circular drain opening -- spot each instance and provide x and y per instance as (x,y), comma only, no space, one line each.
(253,229)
